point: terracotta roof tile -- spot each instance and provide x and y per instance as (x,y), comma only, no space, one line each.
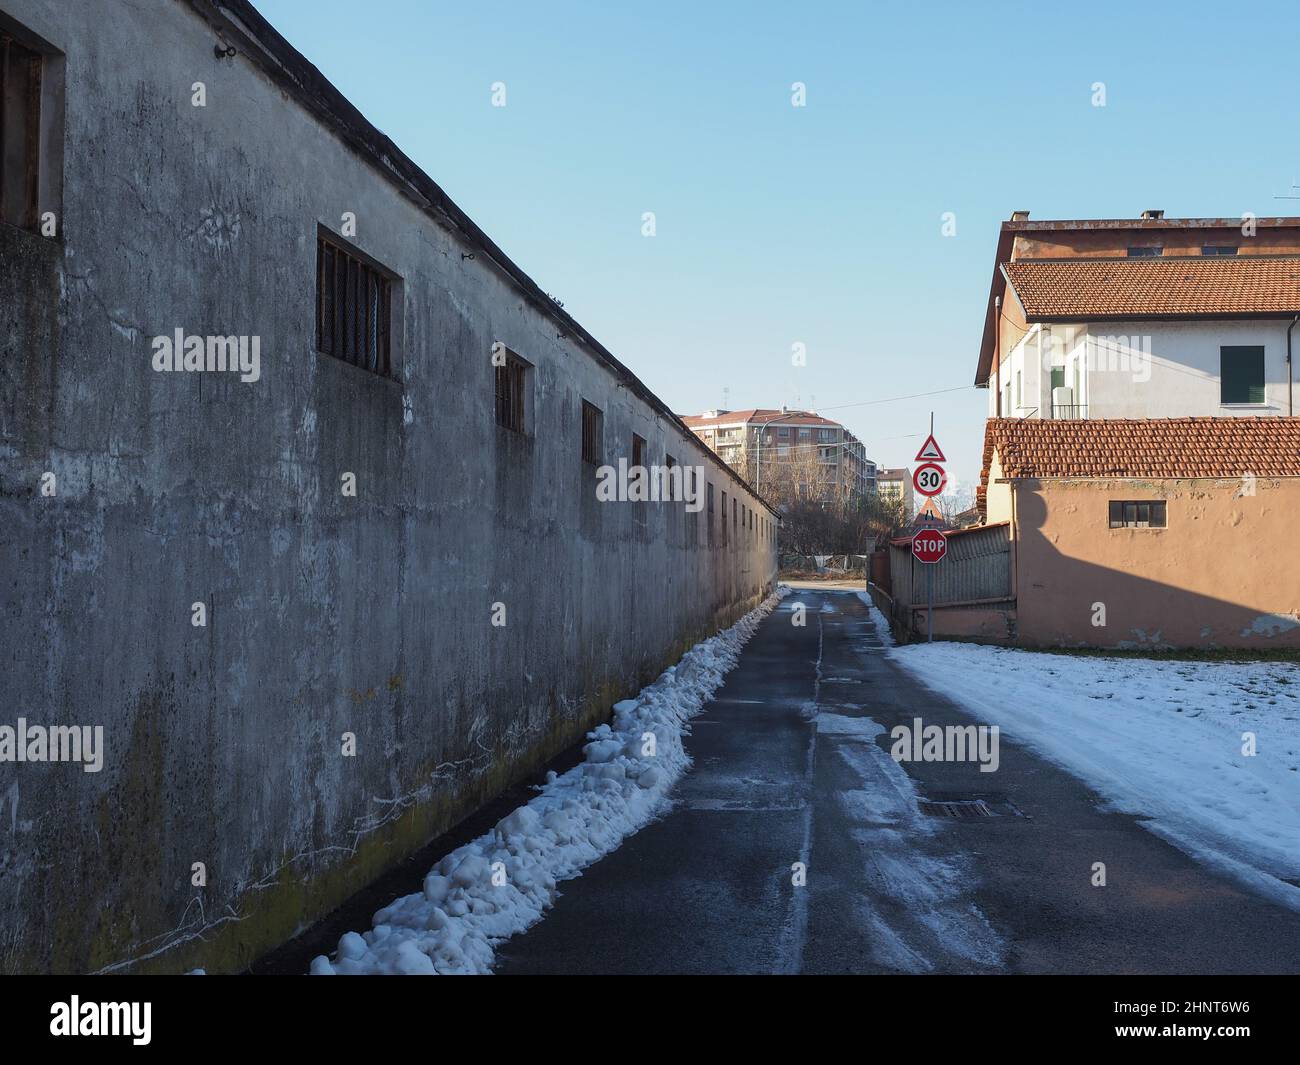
(1156,287)
(1153,448)
(758,415)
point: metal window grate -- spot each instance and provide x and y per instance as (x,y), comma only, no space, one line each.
(1137,514)
(20,136)
(511,382)
(353,309)
(592,432)
(958,809)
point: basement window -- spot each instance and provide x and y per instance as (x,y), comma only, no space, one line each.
(1145,252)
(513,392)
(1241,374)
(593,431)
(20,132)
(1137,514)
(353,307)
(1219,249)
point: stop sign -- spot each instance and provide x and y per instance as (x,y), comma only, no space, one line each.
(929,545)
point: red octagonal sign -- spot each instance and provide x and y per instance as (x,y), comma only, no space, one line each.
(929,545)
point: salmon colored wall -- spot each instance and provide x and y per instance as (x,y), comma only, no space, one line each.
(1223,573)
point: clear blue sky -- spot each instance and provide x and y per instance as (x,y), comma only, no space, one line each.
(818,224)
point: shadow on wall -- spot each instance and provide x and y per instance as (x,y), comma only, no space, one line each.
(1106,601)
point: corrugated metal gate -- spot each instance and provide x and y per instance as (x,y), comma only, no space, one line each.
(976,572)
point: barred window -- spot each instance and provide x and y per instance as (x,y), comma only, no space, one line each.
(512,381)
(1137,514)
(593,431)
(20,132)
(353,308)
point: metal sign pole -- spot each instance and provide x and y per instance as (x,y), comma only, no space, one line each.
(929,604)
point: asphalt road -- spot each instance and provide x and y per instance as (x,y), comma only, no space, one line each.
(792,768)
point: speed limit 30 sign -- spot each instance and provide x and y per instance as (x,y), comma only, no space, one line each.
(929,479)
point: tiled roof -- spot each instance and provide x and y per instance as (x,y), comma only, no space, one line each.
(757,415)
(1144,447)
(1156,287)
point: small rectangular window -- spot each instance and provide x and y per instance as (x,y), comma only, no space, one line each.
(1137,514)
(593,434)
(669,463)
(512,388)
(709,525)
(353,312)
(1219,249)
(1241,374)
(638,450)
(20,132)
(723,540)
(1145,252)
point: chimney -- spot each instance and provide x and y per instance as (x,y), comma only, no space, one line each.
(1151,216)
(1020,216)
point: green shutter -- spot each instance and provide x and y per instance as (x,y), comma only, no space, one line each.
(1241,374)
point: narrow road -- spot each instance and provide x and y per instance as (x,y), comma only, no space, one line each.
(792,770)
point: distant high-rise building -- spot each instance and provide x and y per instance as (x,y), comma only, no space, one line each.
(830,459)
(897,484)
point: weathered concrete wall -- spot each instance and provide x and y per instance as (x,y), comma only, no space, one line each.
(1221,574)
(325,614)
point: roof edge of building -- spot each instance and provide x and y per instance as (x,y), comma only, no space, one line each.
(302,81)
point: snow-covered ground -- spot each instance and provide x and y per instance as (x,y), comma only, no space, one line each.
(503,882)
(1163,739)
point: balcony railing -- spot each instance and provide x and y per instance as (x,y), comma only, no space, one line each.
(1076,410)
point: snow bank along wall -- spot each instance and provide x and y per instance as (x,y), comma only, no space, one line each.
(323,613)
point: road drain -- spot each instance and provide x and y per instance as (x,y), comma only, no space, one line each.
(961,809)
(967,809)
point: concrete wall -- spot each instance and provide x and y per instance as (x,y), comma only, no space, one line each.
(1221,574)
(326,614)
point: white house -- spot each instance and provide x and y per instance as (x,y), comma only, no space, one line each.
(1107,325)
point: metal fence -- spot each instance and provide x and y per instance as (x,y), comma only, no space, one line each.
(976,569)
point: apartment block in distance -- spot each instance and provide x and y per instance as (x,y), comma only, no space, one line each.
(758,441)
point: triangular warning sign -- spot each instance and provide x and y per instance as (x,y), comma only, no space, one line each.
(928,513)
(930,451)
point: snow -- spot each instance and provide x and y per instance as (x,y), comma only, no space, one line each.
(1161,739)
(920,910)
(503,882)
(878,619)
